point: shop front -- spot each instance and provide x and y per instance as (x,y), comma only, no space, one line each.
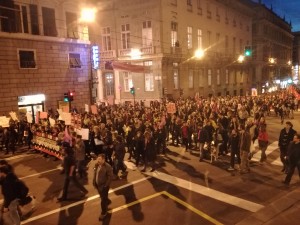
(31,104)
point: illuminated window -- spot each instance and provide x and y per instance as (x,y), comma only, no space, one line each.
(74,60)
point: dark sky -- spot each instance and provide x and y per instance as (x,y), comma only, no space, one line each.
(288,8)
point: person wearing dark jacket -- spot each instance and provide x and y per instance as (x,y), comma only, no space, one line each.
(118,156)
(10,193)
(293,156)
(285,137)
(70,172)
(103,175)
(149,151)
(234,146)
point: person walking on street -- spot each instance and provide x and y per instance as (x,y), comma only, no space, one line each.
(234,146)
(285,137)
(293,156)
(263,141)
(245,144)
(70,172)
(12,194)
(103,175)
(80,156)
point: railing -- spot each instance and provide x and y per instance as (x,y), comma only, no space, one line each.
(124,52)
(148,50)
(108,54)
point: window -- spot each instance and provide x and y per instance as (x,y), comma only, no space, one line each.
(234,45)
(125,36)
(49,24)
(109,84)
(218,77)
(149,78)
(27,59)
(217,38)
(191,79)
(234,77)
(34,19)
(189,2)
(127,81)
(74,60)
(208,39)
(147,34)
(199,7)
(241,77)
(234,22)
(199,38)
(189,37)
(226,76)
(71,22)
(106,39)
(201,82)
(174,2)
(175,78)
(208,11)
(226,44)
(209,77)
(173,33)
(22,23)
(217,14)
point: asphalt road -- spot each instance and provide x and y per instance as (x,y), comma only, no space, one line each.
(182,190)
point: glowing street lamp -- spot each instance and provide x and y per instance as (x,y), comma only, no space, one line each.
(241,58)
(199,53)
(88,15)
(272,60)
(135,53)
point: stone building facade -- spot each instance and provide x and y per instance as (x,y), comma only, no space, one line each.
(44,54)
(164,35)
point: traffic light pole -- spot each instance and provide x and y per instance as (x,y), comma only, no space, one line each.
(134,101)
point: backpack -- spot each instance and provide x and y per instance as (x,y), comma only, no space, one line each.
(21,189)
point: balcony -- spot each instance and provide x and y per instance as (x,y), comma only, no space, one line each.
(108,54)
(124,52)
(148,50)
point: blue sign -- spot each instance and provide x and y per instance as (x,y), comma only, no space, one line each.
(95,57)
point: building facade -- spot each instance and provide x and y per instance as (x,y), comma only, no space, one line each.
(296,58)
(163,35)
(272,49)
(45,54)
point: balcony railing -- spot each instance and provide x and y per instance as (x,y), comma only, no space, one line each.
(124,52)
(108,54)
(148,50)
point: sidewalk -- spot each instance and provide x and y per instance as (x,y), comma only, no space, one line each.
(285,211)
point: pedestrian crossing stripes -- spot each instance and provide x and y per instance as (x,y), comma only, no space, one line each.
(272,149)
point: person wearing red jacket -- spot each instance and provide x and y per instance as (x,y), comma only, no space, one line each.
(263,141)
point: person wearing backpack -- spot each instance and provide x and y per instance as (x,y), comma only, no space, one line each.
(13,191)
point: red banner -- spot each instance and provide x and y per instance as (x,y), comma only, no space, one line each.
(130,67)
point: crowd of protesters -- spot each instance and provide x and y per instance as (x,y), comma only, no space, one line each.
(226,124)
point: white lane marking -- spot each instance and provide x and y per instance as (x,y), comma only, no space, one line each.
(37,174)
(80,202)
(17,157)
(271,148)
(220,196)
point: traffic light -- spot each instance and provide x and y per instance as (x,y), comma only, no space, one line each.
(248,51)
(132,91)
(71,96)
(66,97)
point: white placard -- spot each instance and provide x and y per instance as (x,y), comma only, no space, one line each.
(4,121)
(29,117)
(52,122)
(86,108)
(13,116)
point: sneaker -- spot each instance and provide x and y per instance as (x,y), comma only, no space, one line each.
(102,216)
(230,169)
(61,199)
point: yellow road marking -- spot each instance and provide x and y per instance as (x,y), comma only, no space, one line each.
(185,204)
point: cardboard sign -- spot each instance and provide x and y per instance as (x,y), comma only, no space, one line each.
(13,116)
(86,108)
(94,109)
(43,115)
(29,117)
(4,121)
(52,122)
(171,108)
(84,133)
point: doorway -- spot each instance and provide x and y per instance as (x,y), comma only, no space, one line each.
(32,104)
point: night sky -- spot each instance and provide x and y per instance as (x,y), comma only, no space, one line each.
(288,8)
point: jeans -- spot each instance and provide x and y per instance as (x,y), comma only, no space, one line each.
(103,192)
(13,212)
(75,181)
